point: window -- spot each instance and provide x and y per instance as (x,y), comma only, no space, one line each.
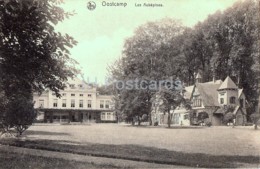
(64,117)
(186,117)
(221,100)
(72,94)
(64,103)
(242,103)
(101,103)
(103,116)
(89,95)
(72,86)
(41,103)
(81,103)
(55,103)
(108,116)
(232,100)
(196,103)
(107,104)
(80,85)
(72,103)
(53,93)
(63,94)
(81,95)
(89,103)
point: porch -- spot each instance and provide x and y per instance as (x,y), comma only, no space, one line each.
(68,116)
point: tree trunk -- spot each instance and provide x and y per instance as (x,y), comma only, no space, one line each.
(169,118)
(150,118)
(139,121)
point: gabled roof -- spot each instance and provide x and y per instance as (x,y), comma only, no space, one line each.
(209,93)
(78,81)
(188,92)
(228,84)
(236,110)
(198,76)
(240,91)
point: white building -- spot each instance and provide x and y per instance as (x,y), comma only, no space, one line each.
(79,102)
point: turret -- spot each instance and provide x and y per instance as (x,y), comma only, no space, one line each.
(198,78)
(228,93)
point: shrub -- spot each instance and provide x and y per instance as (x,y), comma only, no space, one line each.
(228,117)
(208,123)
(20,114)
(255,118)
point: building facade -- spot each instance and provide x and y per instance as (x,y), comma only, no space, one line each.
(215,98)
(79,102)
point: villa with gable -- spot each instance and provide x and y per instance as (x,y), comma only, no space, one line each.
(214,98)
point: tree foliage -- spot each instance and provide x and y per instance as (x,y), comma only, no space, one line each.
(170,100)
(33,57)
(225,44)
(143,58)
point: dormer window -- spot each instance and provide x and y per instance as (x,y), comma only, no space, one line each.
(232,100)
(80,85)
(72,86)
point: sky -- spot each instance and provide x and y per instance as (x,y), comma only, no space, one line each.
(101,32)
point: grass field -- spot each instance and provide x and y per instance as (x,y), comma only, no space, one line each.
(18,161)
(203,147)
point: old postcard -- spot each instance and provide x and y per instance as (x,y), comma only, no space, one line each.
(129,84)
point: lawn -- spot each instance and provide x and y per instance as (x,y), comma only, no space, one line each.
(20,161)
(203,147)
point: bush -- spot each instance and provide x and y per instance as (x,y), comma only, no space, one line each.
(20,114)
(156,123)
(228,117)
(144,117)
(255,117)
(208,123)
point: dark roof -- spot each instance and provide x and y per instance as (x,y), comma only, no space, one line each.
(209,93)
(228,84)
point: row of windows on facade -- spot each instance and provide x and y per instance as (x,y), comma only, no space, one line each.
(73,86)
(104,116)
(72,94)
(232,100)
(103,104)
(107,116)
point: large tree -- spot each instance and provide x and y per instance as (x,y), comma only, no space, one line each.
(144,57)
(33,55)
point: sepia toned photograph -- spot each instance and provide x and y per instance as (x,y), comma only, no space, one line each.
(129,84)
